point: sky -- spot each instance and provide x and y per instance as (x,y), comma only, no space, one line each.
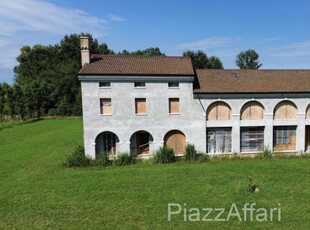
(277,30)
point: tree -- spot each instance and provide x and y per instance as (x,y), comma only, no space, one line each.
(200,60)
(10,100)
(147,52)
(214,63)
(248,60)
(2,101)
(19,101)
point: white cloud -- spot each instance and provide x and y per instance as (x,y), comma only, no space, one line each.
(208,43)
(297,49)
(268,40)
(27,22)
(40,16)
(116,18)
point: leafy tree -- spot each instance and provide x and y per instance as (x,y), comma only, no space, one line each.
(214,63)
(147,52)
(2,101)
(248,60)
(19,101)
(200,60)
(10,100)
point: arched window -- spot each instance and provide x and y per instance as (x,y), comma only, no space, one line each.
(252,110)
(106,142)
(285,110)
(219,111)
(176,140)
(140,142)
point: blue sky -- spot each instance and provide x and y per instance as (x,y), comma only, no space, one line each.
(277,30)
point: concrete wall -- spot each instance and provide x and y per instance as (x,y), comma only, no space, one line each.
(191,120)
(124,122)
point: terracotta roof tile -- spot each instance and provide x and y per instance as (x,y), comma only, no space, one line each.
(252,81)
(137,65)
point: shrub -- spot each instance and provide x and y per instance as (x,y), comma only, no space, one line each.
(124,159)
(202,157)
(251,186)
(164,155)
(190,152)
(77,158)
(265,154)
(102,159)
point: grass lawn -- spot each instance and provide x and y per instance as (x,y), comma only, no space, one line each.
(37,192)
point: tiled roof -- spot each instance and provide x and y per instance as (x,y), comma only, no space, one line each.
(252,81)
(137,65)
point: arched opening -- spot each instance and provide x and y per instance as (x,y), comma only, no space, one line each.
(140,142)
(176,140)
(106,142)
(252,110)
(285,110)
(308,112)
(219,111)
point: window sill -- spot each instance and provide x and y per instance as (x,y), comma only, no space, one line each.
(140,87)
(106,115)
(104,87)
(173,87)
(174,114)
(141,114)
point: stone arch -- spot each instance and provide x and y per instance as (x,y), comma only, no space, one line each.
(219,110)
(252,110)
(285,110)
(308,112)
(140,142)
(176,140)
(107,142)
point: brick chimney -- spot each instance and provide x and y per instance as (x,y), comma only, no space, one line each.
(85,50)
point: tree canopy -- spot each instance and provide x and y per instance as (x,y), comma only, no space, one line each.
(248,60)
(200,60)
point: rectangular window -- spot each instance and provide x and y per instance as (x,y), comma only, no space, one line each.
(105,106)
(140,104)
(105,84)
(173,84)
(284,138)
(174,105)
(252,139)
(219,140)
(139,84)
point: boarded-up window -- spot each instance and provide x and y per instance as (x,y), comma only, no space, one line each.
(176,140)
(109,143)
(174,105)
(219,140)
(252,139)
(284,138)
(252,111)
(106,106)
(285,110)
(140,105)
(219,111)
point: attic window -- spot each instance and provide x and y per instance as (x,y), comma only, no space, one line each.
(234,75)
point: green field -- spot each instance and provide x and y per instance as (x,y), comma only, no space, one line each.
(37,192)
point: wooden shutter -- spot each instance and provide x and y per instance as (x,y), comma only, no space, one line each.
(140,106)
(174,105)
(106,106)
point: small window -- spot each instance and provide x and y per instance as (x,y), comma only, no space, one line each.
(173,84)
(174,105)
(139,84)
(140,104)
(105,84)
(105,106)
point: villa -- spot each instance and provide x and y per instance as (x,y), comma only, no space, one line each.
(139,103)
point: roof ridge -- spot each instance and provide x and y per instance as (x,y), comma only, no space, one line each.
(143,56)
